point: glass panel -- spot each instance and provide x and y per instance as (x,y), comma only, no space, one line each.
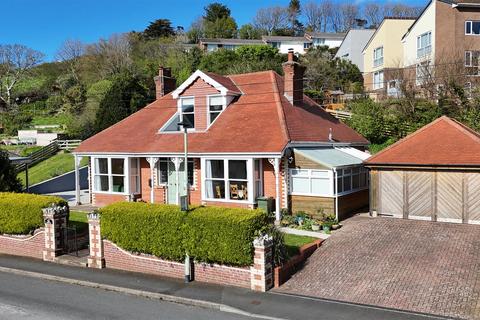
(468,27)
(101,183)
(190,172)
(117,166)
(101,165)
(347,183)
(363,180)
(188,108)
(215,189)
(215,169)
(339,184)
(300,185)
(300,172)
(213,116)
(355,181)
(320,174)
(355,170)
(238,190)
(257,170)
(237,169)
(215,102)
(134,166)
(189,120)
(134,184)
(188,102)
(320,186)
(476,27)
(163,171)
(118,184)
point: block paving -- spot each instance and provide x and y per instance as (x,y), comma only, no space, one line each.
(421,266)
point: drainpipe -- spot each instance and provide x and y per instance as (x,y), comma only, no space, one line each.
(336,192)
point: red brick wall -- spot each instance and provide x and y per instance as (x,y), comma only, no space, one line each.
(117,258)
(269,181)
(200,89)
(27,246)
(102,199)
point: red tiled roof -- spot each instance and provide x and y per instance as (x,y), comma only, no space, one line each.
(224,81)
(444,142)
(260,120)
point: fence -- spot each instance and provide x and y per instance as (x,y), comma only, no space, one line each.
(68,144)
(39,155)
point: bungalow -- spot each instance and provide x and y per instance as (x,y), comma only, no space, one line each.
(245,136)
(432,174)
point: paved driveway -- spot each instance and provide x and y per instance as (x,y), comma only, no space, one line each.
(403,264)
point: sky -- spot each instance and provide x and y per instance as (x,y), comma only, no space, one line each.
(44,24)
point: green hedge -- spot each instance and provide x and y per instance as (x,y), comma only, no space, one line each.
(21,213)
(208,234)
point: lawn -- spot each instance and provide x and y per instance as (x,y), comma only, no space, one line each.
(60,163)
(42,120)
(78,219)
(294,242)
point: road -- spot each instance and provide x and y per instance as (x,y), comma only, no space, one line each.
(28,298)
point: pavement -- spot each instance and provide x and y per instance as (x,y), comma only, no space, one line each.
(421,266)
(236,301)
(69,196)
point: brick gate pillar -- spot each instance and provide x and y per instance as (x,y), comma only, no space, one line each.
(96,258)
(55,219)
(262,270)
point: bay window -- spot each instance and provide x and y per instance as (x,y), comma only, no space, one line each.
(226,179)
(109,175)
(215,107)
(188,112)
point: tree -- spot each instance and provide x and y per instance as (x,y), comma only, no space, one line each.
(221,28)
(344,18)
(160,28)
(16,61)
(313,16)
(112,55)
(8,177)
(70,53)
(373,13)
(215,11)
(270,19)
(326,6)
(124,97)
(248,31)
(368,119)
(294,11)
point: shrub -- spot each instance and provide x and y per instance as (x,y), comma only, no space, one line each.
(208,234)
(21,213)
(146,228)
(223,235)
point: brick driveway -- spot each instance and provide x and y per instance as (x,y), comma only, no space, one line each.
(403,264)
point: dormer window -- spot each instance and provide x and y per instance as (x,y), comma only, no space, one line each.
(215,107)
(188,112)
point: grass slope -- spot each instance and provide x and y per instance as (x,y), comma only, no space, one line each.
(54,166)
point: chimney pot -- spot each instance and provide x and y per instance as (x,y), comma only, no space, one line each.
(164,82)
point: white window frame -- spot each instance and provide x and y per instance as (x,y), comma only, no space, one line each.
(308,175)
(167,161)
(378,84)
(126,179)
(137,176)
(427,49)
(378,60)
(180,110)
(224,104)
(341,175)
(226,179)
(258,182)
(471,22)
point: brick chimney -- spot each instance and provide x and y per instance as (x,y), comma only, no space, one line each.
(164,82)
(293,79)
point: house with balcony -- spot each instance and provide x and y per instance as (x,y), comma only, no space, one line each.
(352,46)
(211,45)
(383,57)
(329,39)
(443,41)
(244,136)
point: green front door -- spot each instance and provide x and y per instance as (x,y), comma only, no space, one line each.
(173,184)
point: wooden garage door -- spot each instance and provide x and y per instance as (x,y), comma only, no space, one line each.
(472,198)
(420,195)
(449,196)
(391,193)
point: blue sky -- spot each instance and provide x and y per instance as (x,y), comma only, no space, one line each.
(44,24)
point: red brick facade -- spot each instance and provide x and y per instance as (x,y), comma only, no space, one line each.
(27,246)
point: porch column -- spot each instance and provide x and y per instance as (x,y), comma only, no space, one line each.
(275,162)
(152,161)
(127,178)
(77,160)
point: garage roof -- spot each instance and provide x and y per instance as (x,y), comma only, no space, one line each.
(331,157)
(444,142)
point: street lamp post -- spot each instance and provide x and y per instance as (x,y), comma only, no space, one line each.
(184,205)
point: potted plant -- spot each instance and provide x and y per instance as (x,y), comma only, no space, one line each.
(326,227)
(316,225)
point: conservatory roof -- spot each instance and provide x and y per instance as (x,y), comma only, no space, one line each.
(333,157)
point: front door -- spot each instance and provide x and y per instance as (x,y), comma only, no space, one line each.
(172,184)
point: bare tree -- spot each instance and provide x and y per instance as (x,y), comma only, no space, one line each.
(70,52)
(373,13)
(326,6)
(15,63)
(113,53)
(271,19)
(313,15)
(343,18)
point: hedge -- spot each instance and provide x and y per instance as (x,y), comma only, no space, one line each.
(21,213)
(146,228)
(208,234)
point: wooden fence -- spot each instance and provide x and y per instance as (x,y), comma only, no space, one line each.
(68,144)
(39,155)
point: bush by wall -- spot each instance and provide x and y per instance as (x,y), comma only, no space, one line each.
(223,235)
(21,213)
(208,234)
(146,228)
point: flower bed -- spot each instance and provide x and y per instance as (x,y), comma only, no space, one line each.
(304,221)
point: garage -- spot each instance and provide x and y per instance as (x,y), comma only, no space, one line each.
(432,174)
